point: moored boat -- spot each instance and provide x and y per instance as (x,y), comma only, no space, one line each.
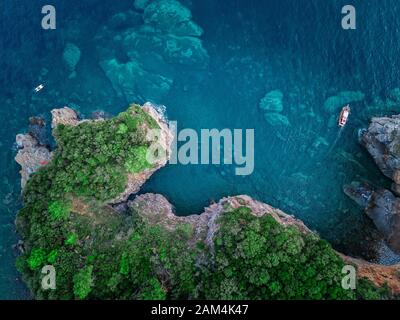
(344,116)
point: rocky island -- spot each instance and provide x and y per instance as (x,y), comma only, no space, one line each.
(81,215)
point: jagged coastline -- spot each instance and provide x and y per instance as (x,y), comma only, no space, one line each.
(382,141)
(155,210)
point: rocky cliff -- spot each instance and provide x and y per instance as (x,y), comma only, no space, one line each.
(382,140)
(165,139)
(33,151)
(67,225)
(32,154)
(156,210)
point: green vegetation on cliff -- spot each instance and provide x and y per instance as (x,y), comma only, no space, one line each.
(99,253)
(93,158)
(89,167)
(258,258)
(113,256)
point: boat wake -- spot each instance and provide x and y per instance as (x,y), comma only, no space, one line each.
(343,118)
(338,136)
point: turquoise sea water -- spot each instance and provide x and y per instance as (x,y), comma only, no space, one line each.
(255,46)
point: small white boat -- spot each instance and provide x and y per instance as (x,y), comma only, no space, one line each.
(39,87)
(344,116)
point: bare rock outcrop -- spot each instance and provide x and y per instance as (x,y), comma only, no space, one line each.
(31,156)
(65,116)
(32,152)
(379,275)
(382,140)
(382,206)
(155,209)
(71,57)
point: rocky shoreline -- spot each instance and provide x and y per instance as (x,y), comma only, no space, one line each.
(382,141)
(156,209)
(33,154)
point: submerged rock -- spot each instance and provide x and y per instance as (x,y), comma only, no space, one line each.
(38,131)
(170,16)
(185,50)
(320,143)
(126,19)
(394,95)
(140,58)
(334,103)
(71,57)
(277,119)
(383,106)
(141,4)
(272,105)
(272,101)
(130,80)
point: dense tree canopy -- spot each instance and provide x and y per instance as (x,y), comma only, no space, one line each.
(258,258)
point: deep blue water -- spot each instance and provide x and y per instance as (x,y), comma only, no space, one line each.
(255,46)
